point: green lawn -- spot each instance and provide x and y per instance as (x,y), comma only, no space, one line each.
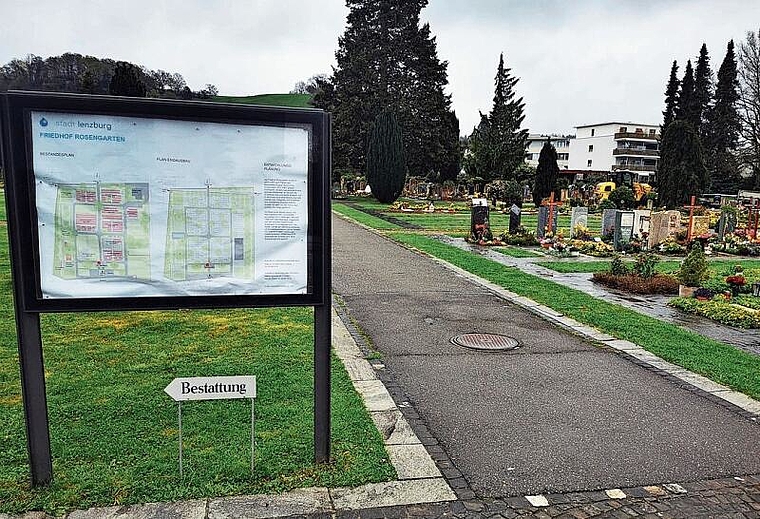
(517,252)
(669,266)
(114,431)
(721,363)
(292,100)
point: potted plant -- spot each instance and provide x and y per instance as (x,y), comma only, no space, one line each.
(704,294)
(692,272)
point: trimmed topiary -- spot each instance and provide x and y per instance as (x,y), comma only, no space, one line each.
(386,171)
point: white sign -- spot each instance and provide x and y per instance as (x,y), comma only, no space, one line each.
(132,207)
(211,388)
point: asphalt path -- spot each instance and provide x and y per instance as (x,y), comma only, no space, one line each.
(558,414)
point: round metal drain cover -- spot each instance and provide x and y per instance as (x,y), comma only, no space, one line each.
(485,341)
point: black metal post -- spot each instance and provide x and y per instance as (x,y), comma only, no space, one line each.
(33,394)
(322,319)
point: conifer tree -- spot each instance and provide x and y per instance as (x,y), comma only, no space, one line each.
(546,173)
(126,81)
(682,170)
(500,139)
(671,97)
(722,128)
(386,60)
(386,173)
(687,109)
(702,89)
(749,104)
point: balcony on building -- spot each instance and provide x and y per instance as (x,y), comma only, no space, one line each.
(629,164)
(640,134)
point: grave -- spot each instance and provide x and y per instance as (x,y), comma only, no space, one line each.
(578,216)
(514,219)
(726,224)
(662,225)
(700,225)
(624,225)
(608,222)
(543,221)
(641,222)
(480,228)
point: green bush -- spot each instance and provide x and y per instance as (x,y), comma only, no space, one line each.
(645,265)
(386,172)
(606,204)
(693,269)
(618,266)
(623,198)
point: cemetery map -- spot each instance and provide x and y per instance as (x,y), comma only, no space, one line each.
(102,231)
(210,233)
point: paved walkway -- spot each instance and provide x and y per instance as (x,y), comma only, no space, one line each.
(557,416)
(652,305)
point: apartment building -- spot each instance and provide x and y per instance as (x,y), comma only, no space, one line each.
(536,141)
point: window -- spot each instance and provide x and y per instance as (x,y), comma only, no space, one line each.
(589,163)
(623,129)
(590,148)
(592,131)
(639,130)
(652,132)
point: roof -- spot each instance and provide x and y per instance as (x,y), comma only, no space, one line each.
(628,123)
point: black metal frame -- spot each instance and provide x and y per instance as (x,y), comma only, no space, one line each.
(25,254)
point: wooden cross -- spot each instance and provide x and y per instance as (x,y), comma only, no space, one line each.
(691,208)
(551,204)
(753,218)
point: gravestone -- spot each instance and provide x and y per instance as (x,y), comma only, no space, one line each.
(514,219)
(662,225)
(700,225)
(726,224)
(578,216)
(624,224)
(641,222)
(479,225)
(543,221)
(608,222)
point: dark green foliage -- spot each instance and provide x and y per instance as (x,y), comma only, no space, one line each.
(723,127)
(88,85)
(645,265)
(623,198)
(126,81)
(387,60)
(671,96)
(606,204)
(508,191)
(682,170)
(546,173)
(694,268)
(618,266)
(702,89)
(385,159)
(498,143)
(688,106)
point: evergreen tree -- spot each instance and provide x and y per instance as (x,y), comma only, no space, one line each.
(671,97)
(87,85)
(385,159)
(702,89)
(546,173)
(386,60)
(126,81)
(502,141)
(687,109)
(749,105)
(682,170)
(722,128)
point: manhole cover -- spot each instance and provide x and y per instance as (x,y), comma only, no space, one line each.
(485,341)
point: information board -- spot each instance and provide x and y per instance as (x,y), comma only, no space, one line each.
(134,199)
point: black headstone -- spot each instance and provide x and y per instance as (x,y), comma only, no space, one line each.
(479,226)
(514,219)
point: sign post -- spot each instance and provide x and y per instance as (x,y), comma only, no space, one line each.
(122,204)
(212,388)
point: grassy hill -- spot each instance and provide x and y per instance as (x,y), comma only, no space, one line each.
(296,100)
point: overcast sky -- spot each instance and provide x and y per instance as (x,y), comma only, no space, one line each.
(579,61)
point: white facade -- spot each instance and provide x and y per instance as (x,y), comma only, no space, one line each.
(616,146)
(536,142)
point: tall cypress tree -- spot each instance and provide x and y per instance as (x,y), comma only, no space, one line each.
(502,141)
(385,159)
(682,170)
(702,89)
(671,97)
(546,172)
(687,109)
(723,126)
(386,60)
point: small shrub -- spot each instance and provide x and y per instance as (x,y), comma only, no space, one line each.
(721,311)
(623,198)
(693,268)
(645,265)
(618,266)
(704,293)
(606,204)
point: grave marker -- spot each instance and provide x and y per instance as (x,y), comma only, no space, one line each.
(543,222)
(514,219)
(641,222)
(699,225)
(726,223)
(578,216)
(624,224)
(608,222)
(662,225)
(480,228)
